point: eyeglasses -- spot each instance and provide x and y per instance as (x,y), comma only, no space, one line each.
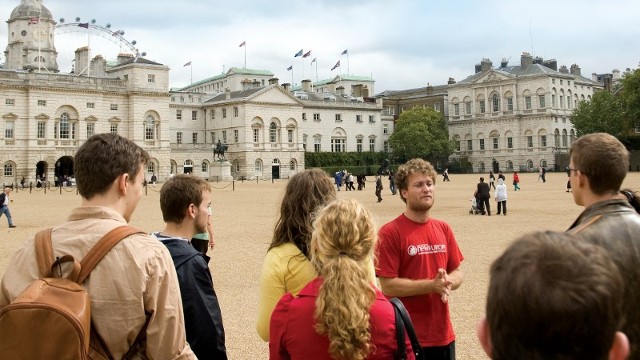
(570,170)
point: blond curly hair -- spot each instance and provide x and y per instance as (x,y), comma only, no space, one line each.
(341,248)
(413,166)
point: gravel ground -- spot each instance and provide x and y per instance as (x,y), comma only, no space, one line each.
(245,213)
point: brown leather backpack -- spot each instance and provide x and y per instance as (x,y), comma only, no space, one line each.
(51,318)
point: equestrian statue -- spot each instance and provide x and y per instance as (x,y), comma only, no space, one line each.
(220,150)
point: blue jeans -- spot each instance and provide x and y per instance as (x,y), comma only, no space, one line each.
(5,210)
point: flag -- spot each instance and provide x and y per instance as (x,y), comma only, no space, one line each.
(307,54)
(336,65)
(314,60)
(290,68)
(243,44)
(187,64)
(345,52)
(299,53)
(34,20)
(84,25)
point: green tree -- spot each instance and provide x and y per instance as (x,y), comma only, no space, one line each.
(604,113)
(421,132)
(630,96)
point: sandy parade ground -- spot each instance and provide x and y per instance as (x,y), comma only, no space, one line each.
(243,223)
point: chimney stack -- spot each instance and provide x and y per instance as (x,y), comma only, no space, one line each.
(286,86)
(504,63)
(451,81)
(525,60)
(306,85)
(563,69)
(273,81)
(575,70)
(485,65)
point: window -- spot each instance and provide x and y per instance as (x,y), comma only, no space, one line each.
(91,129)
(495,143)
(481,144)
(10,102)
(543,140)
(530,141)
(509,142)
(235,111)
(224,136)
(42,127)
(458,146)
(290,135)
(456,109)
(436,107)
(385,128)
(178,114)
(338,117)
(316,116)
(42,102)
(553,100)
(273,132)
(541,101)
(258,166)
(150,128)
(482,105)
(256,136)
(224,113)
(8,129)
(8,169)
(553,81)
(495,103)
(568,102)
(205,167)
(467,107)
(527,102)
(469,145)
(359,145)
(304,142)
(371,119)
(510,104)
(292,165)
(114,107)
(151,78)
(151,167)
(91,105)
(372,145)
(359,118)
(194,115)
(212,114)
(561,102)
(316,144)
(64,126)
(236,135)
(114,128)
(304,116)
(194,138)
(338,145)
(385,146)
(179,137)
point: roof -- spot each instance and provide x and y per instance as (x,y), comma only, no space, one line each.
(435,90)
(30,8)
(233,70)
(531,70)
(138,60)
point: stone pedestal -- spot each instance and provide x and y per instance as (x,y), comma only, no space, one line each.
(220,171)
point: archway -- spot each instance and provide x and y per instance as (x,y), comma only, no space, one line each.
(63,170)
(41,170)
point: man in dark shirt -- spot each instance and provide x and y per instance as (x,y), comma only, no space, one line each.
(483,196)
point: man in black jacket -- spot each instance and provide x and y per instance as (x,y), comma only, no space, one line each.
(185,203)
(483,196)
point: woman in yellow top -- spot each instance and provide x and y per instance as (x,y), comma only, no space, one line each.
(287,268)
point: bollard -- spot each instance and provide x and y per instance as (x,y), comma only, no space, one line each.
(60,189)
(233,185)
(272,180)
(256,179)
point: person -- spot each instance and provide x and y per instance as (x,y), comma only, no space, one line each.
(445,175)
(501,176)
(483,196)
(340,314)
(419,260)
(492,180)
(22,182)
(597,167)
(501,197)
(379,187)
(154,178)
(568,180)
(4,206)
(136,279)
(552,296)
(544,175)
(286,267)
(516,181)
(185,201)
(392,183)
(540,174)
(338,178)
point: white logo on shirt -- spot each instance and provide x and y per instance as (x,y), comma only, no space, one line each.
(426,249)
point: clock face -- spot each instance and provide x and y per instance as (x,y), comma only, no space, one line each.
(24,33)
(40,34)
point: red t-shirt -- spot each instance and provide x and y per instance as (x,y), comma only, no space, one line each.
(293,335)
(411,250)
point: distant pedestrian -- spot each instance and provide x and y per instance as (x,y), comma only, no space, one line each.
(379,187)
(338,179)
(516,181)
(4,205)
(540,174)
(568,179)
(154,179)
(492,180)
(445,175)
(501,176)
(483,196)
(501,197)
(544,175)
(392,183)
(22,182)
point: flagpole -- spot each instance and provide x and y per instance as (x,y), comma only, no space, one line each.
(39,43)
(88,52)
(347,63)
(191,69)
(317,70)
(245,55)
(302,66)
(291,78)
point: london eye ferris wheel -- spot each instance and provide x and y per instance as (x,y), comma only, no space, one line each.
(99,39)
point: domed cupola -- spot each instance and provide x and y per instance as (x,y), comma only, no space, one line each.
(30,9)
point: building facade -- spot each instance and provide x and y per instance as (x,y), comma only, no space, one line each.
(516,118)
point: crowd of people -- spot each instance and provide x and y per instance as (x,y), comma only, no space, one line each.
(329,272)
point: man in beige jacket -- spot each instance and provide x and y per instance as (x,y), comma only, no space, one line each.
(136,278)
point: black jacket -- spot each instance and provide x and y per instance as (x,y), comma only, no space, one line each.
(202,316)
(483,191)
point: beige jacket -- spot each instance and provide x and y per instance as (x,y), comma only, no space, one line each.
(136,277)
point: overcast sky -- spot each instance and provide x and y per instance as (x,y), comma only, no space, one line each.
(402,43)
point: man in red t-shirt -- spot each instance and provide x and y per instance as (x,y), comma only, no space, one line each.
(419,260)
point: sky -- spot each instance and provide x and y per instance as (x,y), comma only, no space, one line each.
(401,44)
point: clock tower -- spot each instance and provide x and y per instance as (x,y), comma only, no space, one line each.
(31,41)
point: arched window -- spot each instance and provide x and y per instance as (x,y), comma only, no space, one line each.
(292,165)
(150,128)
(205,167)
(543,163)
(564,138)
(273,131)
(495,103)
(64,126)
(509,165)
(8,169)
(151,167)
(258,166)
(529,165)
(481,167)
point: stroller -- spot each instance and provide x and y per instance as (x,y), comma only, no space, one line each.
(475,210)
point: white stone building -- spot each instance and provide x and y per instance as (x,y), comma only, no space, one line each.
(516,117)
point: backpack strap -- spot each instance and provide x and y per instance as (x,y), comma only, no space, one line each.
(102,247)
(44,252)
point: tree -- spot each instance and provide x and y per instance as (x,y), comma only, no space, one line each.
(604,113)
(421,132)
(630,95)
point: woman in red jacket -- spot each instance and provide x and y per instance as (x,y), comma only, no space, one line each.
(340,314)
(516,181)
